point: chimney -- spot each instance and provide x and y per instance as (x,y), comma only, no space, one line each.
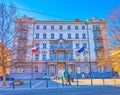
(77,20)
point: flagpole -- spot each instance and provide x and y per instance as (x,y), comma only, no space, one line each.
(89,52)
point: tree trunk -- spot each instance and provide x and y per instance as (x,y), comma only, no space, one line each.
(4,77)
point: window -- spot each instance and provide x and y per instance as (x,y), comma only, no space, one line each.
(52,46)
(60,27)
(37,36)
(78,56)
(69,27)
(52,57)
(44,56)
(60,36)
(85,45)
(77,36)
(83,27)
(61,56)
(20,70)
(76,27)
(96,26)
(36,69)
(77,45)
(96,35)
(70,57)
(83,36)
(37,45)
(37,27)
(22,35)
(78,69)
(61,46)
(70,46)
(44,45)
(52,36)
(52,26)
(44,27)
(44,36)
(36,57)
(69,36)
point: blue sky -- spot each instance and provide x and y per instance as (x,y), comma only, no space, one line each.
(82,9)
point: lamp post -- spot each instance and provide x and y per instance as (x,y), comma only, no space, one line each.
(89,52)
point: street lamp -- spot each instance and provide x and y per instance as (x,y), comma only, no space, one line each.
(89,52)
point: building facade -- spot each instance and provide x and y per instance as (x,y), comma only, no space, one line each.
(58,42)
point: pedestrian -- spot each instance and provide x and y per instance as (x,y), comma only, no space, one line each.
(83,75)
(69,79)
(72,78)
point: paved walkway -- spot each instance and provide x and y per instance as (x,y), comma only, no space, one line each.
(80,90)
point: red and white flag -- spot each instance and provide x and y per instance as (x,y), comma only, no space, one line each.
(35,49)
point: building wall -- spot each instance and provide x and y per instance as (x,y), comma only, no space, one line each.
(43,67)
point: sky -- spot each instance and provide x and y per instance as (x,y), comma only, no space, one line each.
(69,9)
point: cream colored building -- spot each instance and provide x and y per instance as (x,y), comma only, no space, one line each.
(58,43)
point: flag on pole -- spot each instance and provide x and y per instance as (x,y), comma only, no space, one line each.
(81,49)
(35,49)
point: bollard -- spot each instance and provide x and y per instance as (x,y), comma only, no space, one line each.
(77,82)
(30,83)
(114,81)
(103,81)
(46,82)
(62,82)
(13,85)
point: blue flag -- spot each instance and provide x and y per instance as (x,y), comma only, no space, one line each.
(81,49)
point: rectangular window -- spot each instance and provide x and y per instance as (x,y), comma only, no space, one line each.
(60,27)
(85,45)
(36,57)
(20,70)
(52,46)
(69,27)
(69,36)
(77,45)
(44,56)
(60,36)
(44,27)
(52,36)
(44,36)
(44,45)
(78,56)
(52,26)
(76,36)
(36,44)
(37,27)
(69,46)
(83,27)
(52,57)
(76,27)
(83,36)
(37,36)
(36,69)
(96,26)
(70,57)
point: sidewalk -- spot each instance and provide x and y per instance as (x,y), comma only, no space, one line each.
(81,90)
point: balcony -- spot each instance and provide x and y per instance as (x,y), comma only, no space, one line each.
(98,38)
(98,48)
(22,38)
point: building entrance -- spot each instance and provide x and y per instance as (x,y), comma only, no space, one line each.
(61,67)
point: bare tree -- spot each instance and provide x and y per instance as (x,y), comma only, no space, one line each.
(7,36)
(113,20)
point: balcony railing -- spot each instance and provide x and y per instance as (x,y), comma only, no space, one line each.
(98,48)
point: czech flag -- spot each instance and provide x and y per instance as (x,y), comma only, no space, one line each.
(35,49)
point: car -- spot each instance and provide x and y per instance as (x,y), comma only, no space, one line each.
(7,78)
